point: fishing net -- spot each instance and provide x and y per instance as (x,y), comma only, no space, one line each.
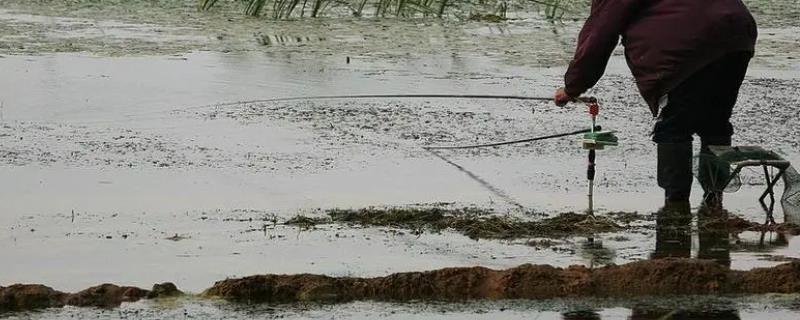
(714,174)
(715,168)
(791,196)
(726,169)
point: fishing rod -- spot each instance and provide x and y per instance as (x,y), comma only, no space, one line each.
(380,96)
(495,144)
(594,128)
(407,95)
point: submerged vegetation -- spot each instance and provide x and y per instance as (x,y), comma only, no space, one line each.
(477,223)
(472,222)
(488,10)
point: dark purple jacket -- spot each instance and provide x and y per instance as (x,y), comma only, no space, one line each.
(665,41)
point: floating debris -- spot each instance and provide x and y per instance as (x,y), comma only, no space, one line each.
(177,237)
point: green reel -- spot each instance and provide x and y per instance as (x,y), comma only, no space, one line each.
(598,140)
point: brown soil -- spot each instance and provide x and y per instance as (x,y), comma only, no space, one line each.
(644,278)
(784,278)
(651,277)
(738,224)
(662,277)
(29,296)
(106,295)
(35,296)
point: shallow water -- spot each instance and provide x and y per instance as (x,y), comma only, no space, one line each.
(727,308)
(104,138)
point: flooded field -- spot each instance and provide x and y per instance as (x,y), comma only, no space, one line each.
(125,158)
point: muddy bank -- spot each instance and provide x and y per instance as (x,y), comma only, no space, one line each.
(472,222)
(657,278)
(736,224)
(19,297)
(651,277)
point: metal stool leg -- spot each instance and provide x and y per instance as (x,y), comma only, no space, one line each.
(771,192)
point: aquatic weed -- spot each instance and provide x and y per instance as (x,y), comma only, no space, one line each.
(304,222)
(475,223)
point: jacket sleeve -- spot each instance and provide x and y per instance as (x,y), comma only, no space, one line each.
(596,42)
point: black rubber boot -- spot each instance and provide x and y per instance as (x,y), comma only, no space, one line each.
(675,170)
(712,174)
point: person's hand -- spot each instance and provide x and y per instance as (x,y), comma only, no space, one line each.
(561,97)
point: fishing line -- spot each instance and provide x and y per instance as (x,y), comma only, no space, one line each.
(485,184)
(494,190)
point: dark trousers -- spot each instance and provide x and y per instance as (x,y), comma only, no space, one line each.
(702,105)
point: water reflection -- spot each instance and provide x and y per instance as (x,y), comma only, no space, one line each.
(595,254)
(759,241)
(674,239)
(658,314)
(714,237)
(271,40)
(639,314)
(673,231)
(581,315)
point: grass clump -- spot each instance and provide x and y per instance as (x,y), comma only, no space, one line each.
(304,222)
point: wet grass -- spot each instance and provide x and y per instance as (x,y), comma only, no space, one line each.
(207,4)
(487,10)
(472,222)
(304,222)
(477,223)
(624,217)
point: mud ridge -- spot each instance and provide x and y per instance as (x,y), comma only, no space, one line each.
(643,278)
(660,277)
(738,224)
(20,297)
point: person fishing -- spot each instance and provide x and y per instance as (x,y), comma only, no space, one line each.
(689,59)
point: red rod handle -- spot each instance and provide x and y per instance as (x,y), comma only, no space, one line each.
(594,109)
